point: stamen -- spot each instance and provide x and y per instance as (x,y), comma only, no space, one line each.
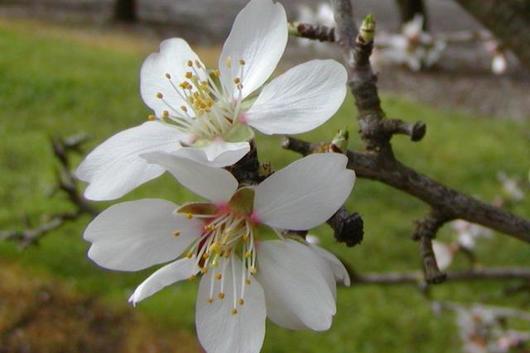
(242,62)
(176,233)
(189,75)
(241,301)
(190,63)
(159,95)
(234,311)
(221,295)
(151,117)
(168,76)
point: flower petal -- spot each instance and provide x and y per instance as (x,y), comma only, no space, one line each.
(339,271)
(296,292)
(443,254)
(115,168)
(305,193)
(165,276)
(301,99)
(172,59)
(134,235)
(259,37)
(216,154)
(214,184)
(219,330)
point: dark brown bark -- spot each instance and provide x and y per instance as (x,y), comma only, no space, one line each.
(509,20)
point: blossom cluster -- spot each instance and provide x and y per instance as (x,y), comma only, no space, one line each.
(204,120)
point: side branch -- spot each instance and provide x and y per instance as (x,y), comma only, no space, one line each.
(415,278)
(449,202)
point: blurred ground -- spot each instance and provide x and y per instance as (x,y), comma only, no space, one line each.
(39,314)
(63,80)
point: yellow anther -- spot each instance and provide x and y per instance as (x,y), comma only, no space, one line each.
(189,255)
(176,233)
(241,301)
(168,76)
(189,215)
(228,62)
(221,295)
(237,80)
(189,74)
(214,248)
(219,276)
(159,95)
(215,73)
(185,85)
(184,109)
(165,114)
(247,253)
(151,117)
(247,281)
(204,270)
(242,62)
(234,311)
(210,300)
(198,63)
(245,237)
(252,270)
(190,63)
(205,255)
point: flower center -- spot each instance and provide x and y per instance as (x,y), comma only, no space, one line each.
(228,236)
(210,110)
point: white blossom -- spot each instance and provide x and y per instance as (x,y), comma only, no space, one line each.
(244,276)
(209,115)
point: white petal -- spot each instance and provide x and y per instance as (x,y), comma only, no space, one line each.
(259,37)
(216,154)
(443,254)
(172,59)
(214,184)
(297,294)
(301,99)
(339,271)
(115,167)
(219,330)
(134,235)
(165,276)
(305,193)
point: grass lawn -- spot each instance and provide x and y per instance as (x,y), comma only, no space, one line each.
(55,82)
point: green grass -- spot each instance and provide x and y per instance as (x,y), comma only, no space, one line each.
(55,85)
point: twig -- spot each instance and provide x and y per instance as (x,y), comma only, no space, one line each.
(66,183)
(414,278)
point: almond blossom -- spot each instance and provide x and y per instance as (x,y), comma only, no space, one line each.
(245,275)
(209,115)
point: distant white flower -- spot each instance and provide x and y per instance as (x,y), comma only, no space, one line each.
(468,233)
(244,277)
(499,62)
(207,115)
(510,187)
(413,47)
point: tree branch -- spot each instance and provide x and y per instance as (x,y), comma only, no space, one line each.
(413,278)
(66,183)
(452,204)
